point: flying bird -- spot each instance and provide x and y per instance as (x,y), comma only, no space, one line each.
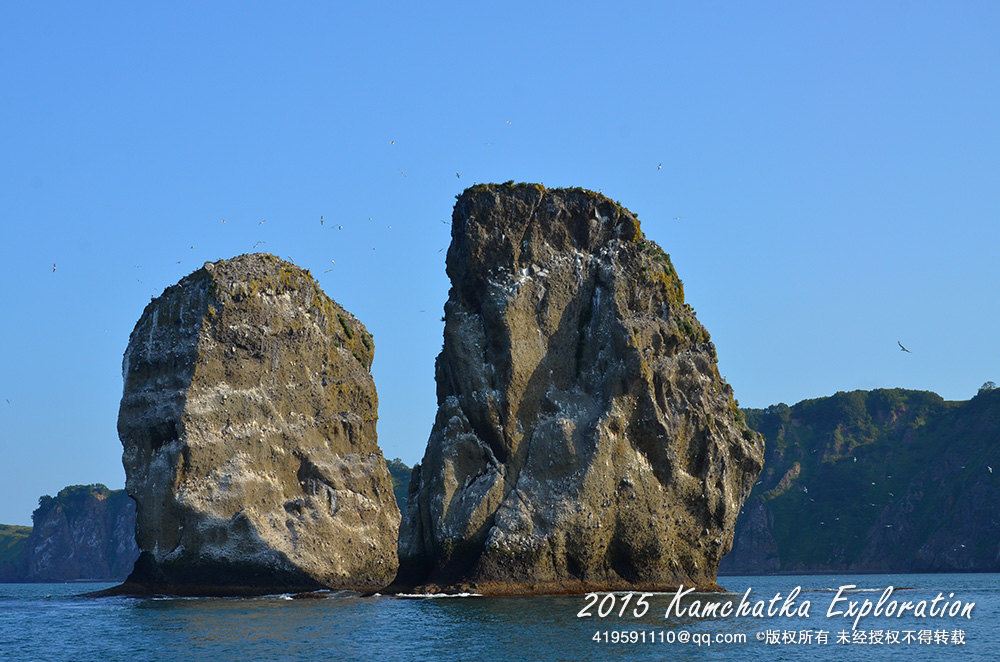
(53,267)
(989,468)
(321,220)
(458,175)
(659,166)
(903,349)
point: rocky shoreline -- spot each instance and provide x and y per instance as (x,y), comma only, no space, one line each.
(584,439)
(751,556)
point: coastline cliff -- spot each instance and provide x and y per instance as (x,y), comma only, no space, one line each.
(889,480)
(85,532)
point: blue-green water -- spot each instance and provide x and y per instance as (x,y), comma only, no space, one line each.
(49,621)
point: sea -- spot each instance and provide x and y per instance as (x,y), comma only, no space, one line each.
(57,622)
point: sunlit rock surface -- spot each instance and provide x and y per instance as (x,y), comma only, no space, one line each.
(248,425)
(584,438)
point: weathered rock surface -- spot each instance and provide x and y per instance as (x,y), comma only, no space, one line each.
(584,438)
(248,425)
(889,480)
(84,532)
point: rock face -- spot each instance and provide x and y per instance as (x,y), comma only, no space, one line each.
(248,425)
(874,481)
(84,532)
(584,438)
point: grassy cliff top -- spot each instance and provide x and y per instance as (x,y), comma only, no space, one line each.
(12,539)
(72,497)
(834,465)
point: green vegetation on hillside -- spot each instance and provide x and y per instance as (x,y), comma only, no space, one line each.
(852,451)
(864,478)
(71,498)
(400,481)
(12,541)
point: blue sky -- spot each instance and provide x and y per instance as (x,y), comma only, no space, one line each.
(834,168)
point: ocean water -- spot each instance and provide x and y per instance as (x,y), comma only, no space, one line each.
(52,622)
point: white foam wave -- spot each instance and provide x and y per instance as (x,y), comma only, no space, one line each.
(439,595)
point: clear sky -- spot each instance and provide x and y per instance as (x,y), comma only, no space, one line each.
(830,182)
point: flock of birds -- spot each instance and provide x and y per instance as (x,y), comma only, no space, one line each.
(458,175)
(322,219)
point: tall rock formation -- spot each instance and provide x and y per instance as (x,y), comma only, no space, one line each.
(889,480)
(584,438)
(248,425)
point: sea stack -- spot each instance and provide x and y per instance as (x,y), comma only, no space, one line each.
(248,426)
(584,439)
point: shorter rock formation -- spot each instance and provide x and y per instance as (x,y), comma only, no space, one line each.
(584,438)
(248,426)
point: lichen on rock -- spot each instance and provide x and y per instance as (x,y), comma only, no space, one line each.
(248,425)
(584,439)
